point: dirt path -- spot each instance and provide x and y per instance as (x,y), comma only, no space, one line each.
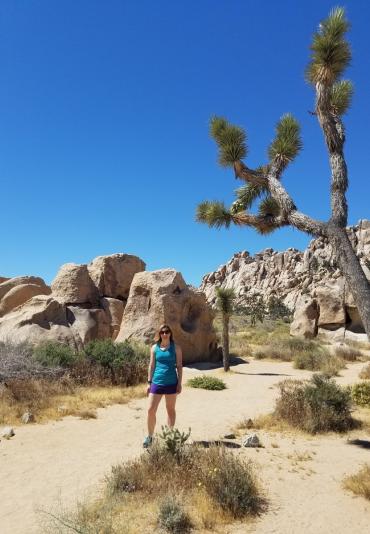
(65,461)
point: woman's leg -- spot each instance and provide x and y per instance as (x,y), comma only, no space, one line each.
(170,407)
(154,401)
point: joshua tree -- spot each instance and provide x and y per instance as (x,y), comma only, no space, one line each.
(330,55)
(224,302)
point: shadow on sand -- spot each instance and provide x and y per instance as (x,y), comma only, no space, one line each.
(206,366)
(363,443)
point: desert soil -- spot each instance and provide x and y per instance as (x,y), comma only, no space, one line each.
(46,467)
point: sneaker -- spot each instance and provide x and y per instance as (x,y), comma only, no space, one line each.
(147,442)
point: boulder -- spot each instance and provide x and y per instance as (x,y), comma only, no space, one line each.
(19,294)
(112,275)
(88,324)
(3,279)
(10,283)
(42,318)
(114,309)
(330,298)
(305,318)
(163,297)
(73,285)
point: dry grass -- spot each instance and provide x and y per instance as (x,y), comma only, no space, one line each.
(359,483)
(264,422)
(349,354)
(52,400)
(365,372)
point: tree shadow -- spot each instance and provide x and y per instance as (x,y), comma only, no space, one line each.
(261,374)
(206,366)
(216,443)
(363,443)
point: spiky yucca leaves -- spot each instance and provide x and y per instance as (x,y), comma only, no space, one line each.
(225,300)
(269,207)
(215,214)
(341,96)
(287,142)
(331,53)
(248,193)
(231,141)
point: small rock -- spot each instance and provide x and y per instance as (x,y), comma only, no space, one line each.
(251,441)
(229,436)
(27,417)
(7,432)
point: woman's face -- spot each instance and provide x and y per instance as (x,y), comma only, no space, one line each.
(165,333)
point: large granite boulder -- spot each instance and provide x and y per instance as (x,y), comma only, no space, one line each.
(88,324)
(163,297)
(305,318)
(112,275)
(10,283)
(114,309)
(73,285)
(330,298)
(18,295)
(42,318)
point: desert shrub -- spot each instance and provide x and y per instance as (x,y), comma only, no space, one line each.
(206,382)
(125,362)
(318,405)
(231,483)
(53,354)
(227,480)
(349,354)
(276,309)
(174,440)
(359,483)
(365,372)
(17,362)
(172,517)
(319,360)
(306,352)
(332,365)
(361,393)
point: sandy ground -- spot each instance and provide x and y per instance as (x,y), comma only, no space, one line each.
(44,466)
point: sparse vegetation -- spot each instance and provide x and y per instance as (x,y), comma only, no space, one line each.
(365,372)
(206,382)
(172,517)
(347,353)
(318,405)
(361,393)
(359,484)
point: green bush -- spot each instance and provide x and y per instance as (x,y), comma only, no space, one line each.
(174,440)
(206,382)
(318,405)
(53,354)
(231,483)
(172,517)
(361,393)
(126,362)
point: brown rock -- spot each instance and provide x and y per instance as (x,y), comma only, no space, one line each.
(113,274)
(19,294)
(163,297)
(8,284)
(88,324)
(114,309)
(73,285)
(305,318)
(330,298)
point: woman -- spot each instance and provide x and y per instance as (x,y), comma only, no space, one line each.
(164,378)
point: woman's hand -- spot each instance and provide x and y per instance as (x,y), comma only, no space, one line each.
(179,388)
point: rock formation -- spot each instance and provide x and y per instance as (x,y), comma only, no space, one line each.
(163,297)
(110,297)
(308,282)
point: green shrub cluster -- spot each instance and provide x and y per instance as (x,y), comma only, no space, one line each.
(317,405)
(206,382)
(53,354)
(361,393)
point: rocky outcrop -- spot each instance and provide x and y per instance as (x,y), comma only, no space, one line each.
(305,281)
(163,297)
(112,297)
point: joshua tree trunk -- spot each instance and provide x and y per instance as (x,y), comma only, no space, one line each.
(352,272)
(225,341)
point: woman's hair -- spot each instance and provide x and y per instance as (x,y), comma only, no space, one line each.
(157,337)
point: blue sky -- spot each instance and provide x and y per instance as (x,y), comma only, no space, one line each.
(104,143)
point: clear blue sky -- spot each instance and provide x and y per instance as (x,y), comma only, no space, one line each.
(104,143)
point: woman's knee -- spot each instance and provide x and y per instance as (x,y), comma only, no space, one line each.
(152,410)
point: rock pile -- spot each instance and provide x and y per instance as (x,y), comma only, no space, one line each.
(308,282)
(111,297)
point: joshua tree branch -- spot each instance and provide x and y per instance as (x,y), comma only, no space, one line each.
(333,130)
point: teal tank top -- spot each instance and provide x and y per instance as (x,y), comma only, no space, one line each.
(165,366)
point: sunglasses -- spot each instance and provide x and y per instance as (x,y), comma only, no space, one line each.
(164,332)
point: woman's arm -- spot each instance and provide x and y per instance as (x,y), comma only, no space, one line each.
(179,367)
(151,364)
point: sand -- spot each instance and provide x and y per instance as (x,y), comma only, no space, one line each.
(58,463)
